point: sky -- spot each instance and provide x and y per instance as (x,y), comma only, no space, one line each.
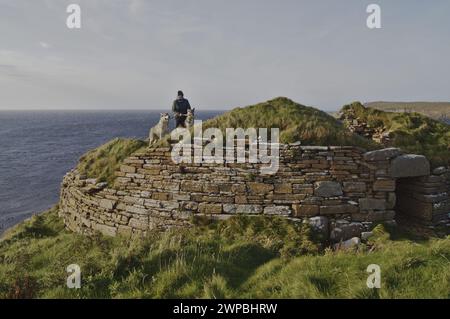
(136,54)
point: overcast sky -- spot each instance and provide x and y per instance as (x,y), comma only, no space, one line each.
(133,54)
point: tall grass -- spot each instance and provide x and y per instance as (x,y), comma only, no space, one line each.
(102,162)
(412,132)
(242,257)
(295,121)
(435,110)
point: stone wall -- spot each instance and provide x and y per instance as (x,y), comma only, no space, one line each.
(340,191)
(356,125)
(426,199)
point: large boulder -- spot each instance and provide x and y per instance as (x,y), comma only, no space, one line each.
(410,165)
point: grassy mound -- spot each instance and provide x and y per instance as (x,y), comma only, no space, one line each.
(295,121)
(412,132)
(102,162)
(242,257)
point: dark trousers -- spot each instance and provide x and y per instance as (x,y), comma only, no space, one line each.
(180,121)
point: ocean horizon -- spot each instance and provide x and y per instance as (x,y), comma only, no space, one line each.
(39,147)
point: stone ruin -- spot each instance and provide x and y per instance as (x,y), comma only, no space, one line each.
(341,191)
(354,124)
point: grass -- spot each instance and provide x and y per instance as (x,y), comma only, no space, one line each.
(295,121)
(412,132)
(435,110)
(252,257)
(102,162)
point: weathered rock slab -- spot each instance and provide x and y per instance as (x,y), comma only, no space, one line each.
(327,189)
(382,155)
(357,187)
(372,204)
(410,166)
(277,210)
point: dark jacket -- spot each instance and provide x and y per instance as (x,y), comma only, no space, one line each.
(181,105)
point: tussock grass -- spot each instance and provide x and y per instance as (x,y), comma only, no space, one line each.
(295,121)
(241,257)
(102,162)
(412,132)
(435,110)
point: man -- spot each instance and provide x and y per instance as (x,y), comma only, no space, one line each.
(180,107)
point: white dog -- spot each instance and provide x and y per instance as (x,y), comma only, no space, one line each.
(190,118)
(159,130)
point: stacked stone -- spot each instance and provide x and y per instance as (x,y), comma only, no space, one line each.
(83,211)
(340,191)
(426,198)
(238,188)
(380,199)
(378,134)
(153,192)
(360,128)
(382,136)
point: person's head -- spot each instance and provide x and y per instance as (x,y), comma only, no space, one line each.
(180,94)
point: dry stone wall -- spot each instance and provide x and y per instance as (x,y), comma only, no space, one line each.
(426,199)
(340,191)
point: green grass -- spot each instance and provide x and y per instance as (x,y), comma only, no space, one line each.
(412,132)
(241,257)
(295,121)
(435,110)
(102,162)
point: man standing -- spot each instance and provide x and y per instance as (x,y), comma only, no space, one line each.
(180,107)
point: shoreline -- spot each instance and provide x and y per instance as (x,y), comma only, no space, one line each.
(6,224)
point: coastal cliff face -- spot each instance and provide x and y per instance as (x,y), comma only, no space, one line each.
(340,191)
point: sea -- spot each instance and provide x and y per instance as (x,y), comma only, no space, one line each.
(37,148)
